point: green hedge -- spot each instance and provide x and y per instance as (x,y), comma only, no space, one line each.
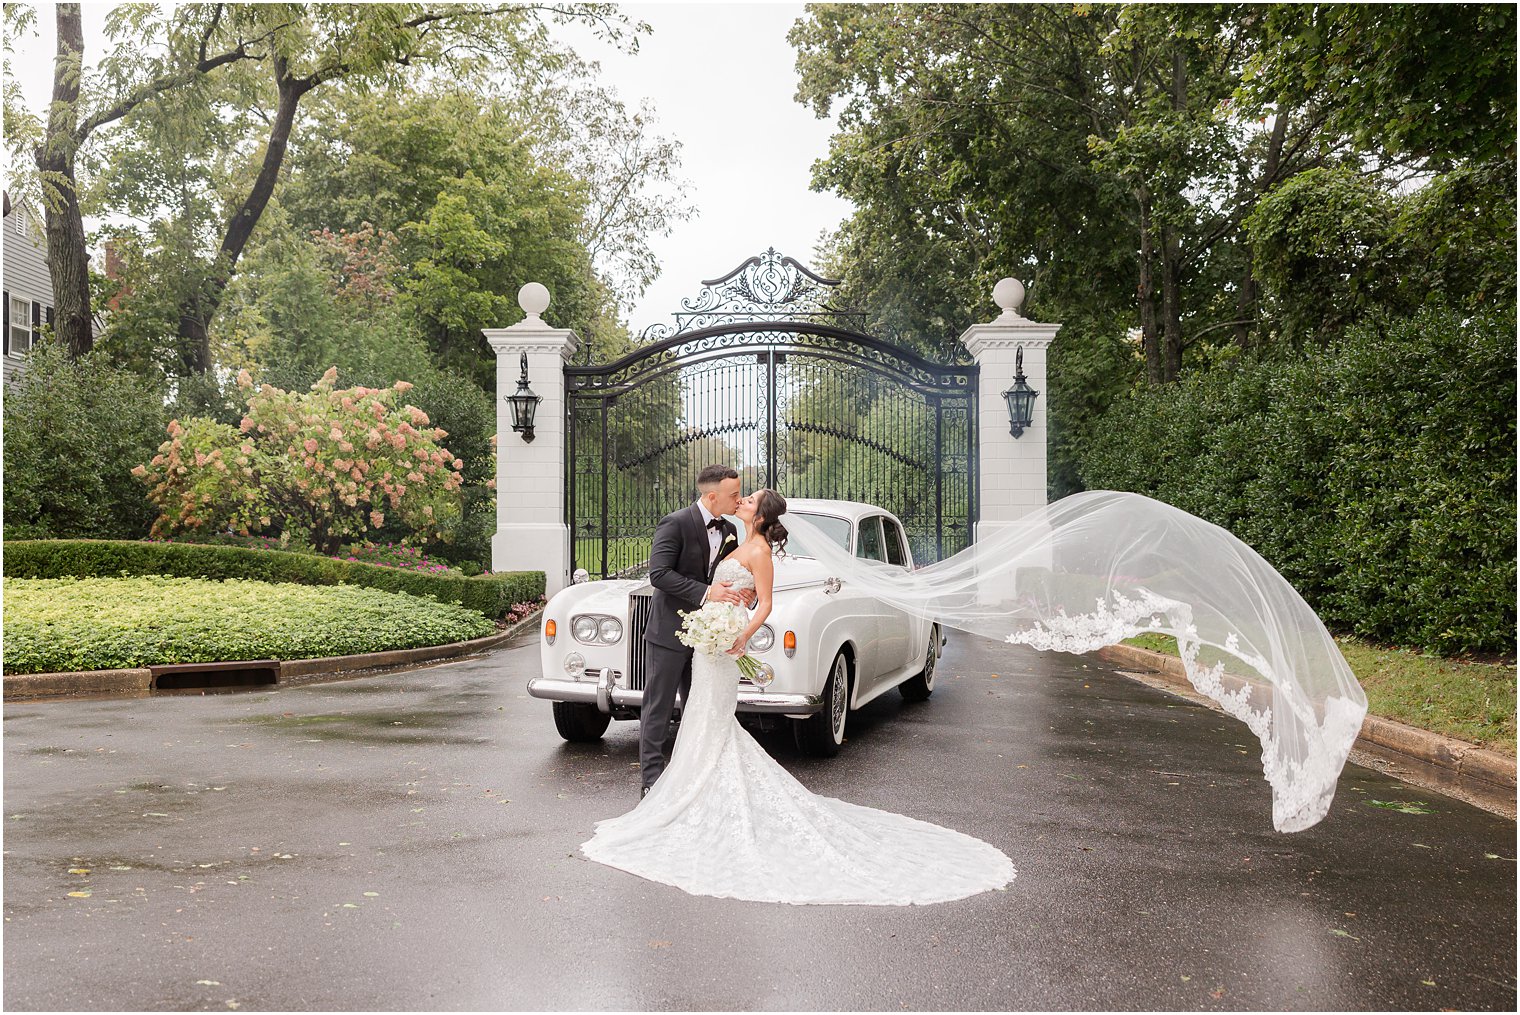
(492,595)
(1377,475)
(66,624)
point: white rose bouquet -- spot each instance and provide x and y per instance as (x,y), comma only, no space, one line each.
(713,630)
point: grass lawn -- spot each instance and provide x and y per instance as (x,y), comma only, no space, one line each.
(64,624)
(1467,700)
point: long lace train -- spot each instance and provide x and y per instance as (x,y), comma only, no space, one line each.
(726,820)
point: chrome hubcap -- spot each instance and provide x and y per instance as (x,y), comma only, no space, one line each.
(841,687)
(929,662)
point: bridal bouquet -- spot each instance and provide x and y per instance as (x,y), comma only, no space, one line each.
(713,629)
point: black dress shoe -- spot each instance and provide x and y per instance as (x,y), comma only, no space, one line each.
(643,792)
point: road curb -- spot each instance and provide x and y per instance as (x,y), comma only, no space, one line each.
(28,686)
(1482,776)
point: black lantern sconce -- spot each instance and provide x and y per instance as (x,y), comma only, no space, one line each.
(524,405)
(1020,398)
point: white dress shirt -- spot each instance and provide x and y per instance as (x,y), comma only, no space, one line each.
(713,535)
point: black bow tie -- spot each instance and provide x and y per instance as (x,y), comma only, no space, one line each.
(716,523)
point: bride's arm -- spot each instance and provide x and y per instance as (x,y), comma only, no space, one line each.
(764,570)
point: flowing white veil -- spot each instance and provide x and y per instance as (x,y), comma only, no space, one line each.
(1098,567)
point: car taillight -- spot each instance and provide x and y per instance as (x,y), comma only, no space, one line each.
(789,644)
(549,630)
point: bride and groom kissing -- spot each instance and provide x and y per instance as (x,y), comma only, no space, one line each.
(717,815)
(689,544)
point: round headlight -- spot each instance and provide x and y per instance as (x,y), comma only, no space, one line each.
(611,630)
(763,639)
(575,664)
(584,628)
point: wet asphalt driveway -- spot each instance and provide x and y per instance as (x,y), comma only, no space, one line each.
(409,842)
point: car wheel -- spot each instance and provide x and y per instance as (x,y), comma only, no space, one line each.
(580,723)
(918,688)
(822,734)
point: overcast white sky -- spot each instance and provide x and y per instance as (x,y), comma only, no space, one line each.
(721,78)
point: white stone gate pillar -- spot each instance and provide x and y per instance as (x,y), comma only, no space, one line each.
(1012,469)
(531,534)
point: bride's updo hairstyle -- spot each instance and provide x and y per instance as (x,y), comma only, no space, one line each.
(769,507)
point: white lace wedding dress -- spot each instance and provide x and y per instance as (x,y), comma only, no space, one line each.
(726,820)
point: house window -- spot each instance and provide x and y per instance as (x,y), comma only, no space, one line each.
(19,333)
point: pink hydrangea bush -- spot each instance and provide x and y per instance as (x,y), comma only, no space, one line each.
(333,463)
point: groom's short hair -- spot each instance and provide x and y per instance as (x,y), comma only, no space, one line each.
(713,475)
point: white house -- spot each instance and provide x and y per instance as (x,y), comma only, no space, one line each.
(28,285)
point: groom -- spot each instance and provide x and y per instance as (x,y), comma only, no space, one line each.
(688,544)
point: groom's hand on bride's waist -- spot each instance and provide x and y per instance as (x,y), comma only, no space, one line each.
(724,592)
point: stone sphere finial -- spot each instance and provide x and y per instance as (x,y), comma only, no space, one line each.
(534,299)
(1009,295)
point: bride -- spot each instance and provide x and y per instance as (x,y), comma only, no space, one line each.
(726,820)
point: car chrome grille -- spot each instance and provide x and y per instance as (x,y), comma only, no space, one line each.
(641,601)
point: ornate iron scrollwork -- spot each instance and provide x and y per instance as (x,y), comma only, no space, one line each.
(766,287)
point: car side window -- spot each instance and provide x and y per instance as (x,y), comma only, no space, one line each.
(896,554)
(868,545)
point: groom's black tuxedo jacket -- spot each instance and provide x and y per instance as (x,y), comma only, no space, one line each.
(679,572)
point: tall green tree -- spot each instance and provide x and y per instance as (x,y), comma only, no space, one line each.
(1092,148)
(289,51)
(151,55)
(1433,82)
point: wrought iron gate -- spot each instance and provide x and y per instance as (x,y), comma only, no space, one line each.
(760,371)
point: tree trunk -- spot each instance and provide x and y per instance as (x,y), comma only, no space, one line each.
(1150,333)
(1245,303)
(1171,304)
(1248,295)
(68,261)
(1171,250)
(198,309)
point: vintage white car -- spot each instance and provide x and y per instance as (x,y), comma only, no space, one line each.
(831,649)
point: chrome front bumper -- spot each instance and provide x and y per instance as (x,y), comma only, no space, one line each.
(606,695)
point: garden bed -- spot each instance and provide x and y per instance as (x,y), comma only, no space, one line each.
(70,624)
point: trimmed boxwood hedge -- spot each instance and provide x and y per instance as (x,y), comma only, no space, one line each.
(492,595)
(1377,475)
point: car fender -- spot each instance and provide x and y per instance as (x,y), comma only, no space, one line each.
(610,598)
(825,623)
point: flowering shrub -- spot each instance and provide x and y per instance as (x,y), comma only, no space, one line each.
(330,464)
(521,610)
(231,539)
(389,555)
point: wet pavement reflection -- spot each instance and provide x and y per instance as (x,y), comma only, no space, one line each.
(409,842)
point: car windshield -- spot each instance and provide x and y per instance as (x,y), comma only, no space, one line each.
(837,529)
